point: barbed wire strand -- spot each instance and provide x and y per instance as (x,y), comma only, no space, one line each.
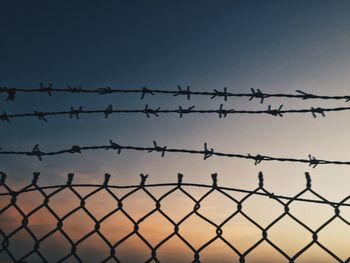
(206,152)
(113,248)
(187,92)
(221,112)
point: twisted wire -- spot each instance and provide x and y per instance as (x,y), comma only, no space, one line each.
(186,92)
(206,153)
(155,112)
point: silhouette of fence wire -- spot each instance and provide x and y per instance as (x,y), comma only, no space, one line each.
(47,193)
(254,94)
(148,112)
(113,248)
(206,152)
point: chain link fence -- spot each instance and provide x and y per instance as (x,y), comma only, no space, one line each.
(34,244)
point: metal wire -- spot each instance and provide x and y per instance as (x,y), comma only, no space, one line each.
(254,94)
(7,236)
(221,112)
(206,152)
(113,247)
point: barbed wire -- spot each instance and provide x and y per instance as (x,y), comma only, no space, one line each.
(206,152)
(221,112)
(114,253)
(187,92)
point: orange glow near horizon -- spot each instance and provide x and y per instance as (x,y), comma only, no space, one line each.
(242,234)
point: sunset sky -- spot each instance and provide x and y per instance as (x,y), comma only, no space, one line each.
(275,46)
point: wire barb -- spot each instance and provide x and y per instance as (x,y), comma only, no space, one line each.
(207,152)
(222,112)
(257,158)
(218,93)
(257,94)
(317,110)
(313,161)
(4,117)
(75,112)
(114,146)
(108,111)
(40,115)
(36,152)
(186,92)
(150,112)
(275,112)
(158,148)
(146,91)
(75,89)
(47,89)
(75,149)
(11,93)
(306,96)
(185,111)
(103,91)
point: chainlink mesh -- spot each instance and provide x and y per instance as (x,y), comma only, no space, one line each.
(35,244)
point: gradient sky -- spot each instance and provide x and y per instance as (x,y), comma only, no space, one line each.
(277,46)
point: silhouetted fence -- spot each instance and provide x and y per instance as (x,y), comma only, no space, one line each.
(16,217)
(180,111)
(237,209)
(206,152)
(187,92)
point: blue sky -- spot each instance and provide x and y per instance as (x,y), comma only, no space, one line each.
(278,46)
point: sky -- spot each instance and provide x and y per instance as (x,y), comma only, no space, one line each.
(276,46)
